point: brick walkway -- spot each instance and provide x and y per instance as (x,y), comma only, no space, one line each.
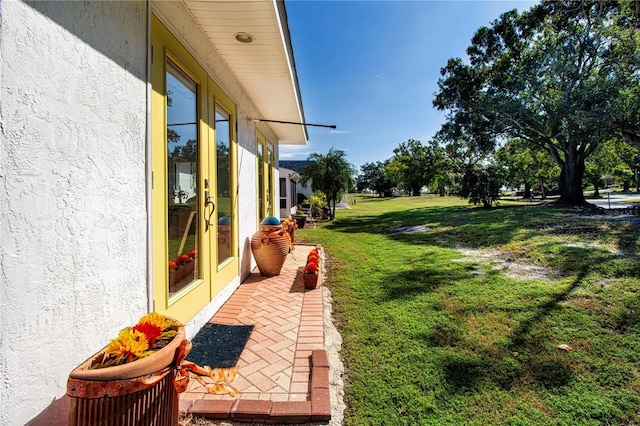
(283,371)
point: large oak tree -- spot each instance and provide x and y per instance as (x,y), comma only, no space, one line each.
(561,76)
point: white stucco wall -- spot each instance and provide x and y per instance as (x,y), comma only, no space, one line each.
(73,170)
(73,198)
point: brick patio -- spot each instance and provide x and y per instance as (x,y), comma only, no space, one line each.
(283,371)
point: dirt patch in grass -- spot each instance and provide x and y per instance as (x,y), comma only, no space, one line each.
(499,261)
(411,229)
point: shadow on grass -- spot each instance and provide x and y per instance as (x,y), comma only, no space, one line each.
(408,284)
(488,226)
(468,368)
(501,366)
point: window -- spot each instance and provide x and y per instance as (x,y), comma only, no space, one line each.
(264,159)
(283,193)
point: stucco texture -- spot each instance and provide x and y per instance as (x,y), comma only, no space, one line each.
(73,199)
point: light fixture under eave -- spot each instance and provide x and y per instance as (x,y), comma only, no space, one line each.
(255,120)
(244,37)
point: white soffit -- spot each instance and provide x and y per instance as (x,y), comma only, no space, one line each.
(265,67)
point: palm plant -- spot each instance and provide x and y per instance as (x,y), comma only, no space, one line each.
(330,174)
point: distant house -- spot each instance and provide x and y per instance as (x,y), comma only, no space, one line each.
(288,191)
(132,133)
(304,192)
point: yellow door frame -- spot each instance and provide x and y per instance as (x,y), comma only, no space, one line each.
(211,277)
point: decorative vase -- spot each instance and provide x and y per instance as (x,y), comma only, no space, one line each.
(270,247)
(140,392)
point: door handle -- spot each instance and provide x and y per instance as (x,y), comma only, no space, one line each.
(208,201)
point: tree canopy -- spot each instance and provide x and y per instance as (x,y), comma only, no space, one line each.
(330,174)
(415,165)
(373,176)
(562,76)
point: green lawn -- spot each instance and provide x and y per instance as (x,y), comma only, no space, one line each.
(460,323)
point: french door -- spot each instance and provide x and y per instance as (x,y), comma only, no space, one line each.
(194,204)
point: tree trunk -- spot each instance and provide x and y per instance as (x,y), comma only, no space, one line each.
(572,171)
(332,209)
(527,191)
(543,189)
(632,135)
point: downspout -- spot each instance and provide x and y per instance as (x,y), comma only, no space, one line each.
(149,171)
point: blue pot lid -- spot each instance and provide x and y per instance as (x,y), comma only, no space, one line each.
(270,220)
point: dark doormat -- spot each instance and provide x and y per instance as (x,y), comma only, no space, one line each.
(219,345)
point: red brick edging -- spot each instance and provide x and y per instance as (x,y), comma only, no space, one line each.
(318,408)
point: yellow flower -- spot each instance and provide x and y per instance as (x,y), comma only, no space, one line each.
(156,319)
(128,346)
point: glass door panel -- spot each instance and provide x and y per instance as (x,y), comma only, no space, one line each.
(269,183)
(223,190)
(261,190)
(182,179)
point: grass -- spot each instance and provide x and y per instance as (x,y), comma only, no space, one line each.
(448,326)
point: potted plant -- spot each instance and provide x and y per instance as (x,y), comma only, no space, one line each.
(300,217)
(290,225)
(134,373)
(312,270)
(136,378)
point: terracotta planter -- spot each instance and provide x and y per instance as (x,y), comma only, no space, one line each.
(188,267)
(141,392)
(224,242)
(311,281)
(270,247)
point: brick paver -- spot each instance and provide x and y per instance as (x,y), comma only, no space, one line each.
(283,375)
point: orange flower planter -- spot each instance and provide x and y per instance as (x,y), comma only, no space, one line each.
(311,281)
(141,392)
(313,270)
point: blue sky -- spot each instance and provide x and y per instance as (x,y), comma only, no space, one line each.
(372,67)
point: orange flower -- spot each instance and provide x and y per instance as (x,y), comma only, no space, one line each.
(312,267)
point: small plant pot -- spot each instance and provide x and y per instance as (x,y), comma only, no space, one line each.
(300,220)
(311,281)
